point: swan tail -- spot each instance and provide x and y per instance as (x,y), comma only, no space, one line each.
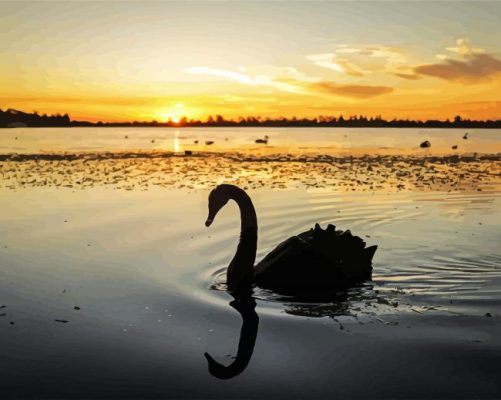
(369,253)
(346,253)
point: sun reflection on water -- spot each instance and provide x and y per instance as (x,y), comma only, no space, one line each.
(176,141)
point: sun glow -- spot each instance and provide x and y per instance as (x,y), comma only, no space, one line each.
(168,117)
(174,114)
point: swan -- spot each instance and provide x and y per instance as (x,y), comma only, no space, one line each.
(265,140)
(312,260)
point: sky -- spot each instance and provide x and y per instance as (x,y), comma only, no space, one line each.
(117,61)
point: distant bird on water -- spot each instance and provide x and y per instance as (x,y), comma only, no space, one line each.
(264,140)
(209,142)
(465,136)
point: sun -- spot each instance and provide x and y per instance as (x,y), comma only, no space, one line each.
(175,119)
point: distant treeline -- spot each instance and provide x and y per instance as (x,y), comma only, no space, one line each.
(15,118)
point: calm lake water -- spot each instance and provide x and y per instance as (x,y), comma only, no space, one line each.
(113,291)
(304,140)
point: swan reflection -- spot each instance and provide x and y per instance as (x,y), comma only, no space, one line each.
(362,301)
(246,306)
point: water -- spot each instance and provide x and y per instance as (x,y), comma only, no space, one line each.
(146,276)
(304,140)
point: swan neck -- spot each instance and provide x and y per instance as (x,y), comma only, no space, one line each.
(241,268)
(248,218)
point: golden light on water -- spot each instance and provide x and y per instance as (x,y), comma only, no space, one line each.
(176,142)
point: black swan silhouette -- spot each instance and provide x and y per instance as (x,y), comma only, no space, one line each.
(246,306)
(312,260)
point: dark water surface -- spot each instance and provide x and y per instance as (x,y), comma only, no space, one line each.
(143,272)
(112,287)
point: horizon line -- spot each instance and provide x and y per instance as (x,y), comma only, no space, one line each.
(219,120)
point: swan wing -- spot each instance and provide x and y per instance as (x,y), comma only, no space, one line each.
(285,250)
(316,258)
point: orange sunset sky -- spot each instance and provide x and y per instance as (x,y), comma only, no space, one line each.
(118,61)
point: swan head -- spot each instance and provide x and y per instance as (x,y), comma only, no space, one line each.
(218,198)
(218,370)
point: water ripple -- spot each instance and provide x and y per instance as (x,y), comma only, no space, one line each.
(416,259)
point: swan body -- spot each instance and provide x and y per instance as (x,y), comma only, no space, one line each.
(314,259)
(264,141)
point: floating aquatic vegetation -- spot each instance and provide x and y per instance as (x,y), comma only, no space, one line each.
(141,170)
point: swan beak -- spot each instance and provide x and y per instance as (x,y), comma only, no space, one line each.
(208,222)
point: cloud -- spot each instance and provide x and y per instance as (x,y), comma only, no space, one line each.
(463,48)
(232,75)
(349,58)
(409,76)
(291,80)
(474,68)
(325,60)
(355,91)
(350,68)
(338,64)
(373,50)
(285,74)
(466,64)
(246,79)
